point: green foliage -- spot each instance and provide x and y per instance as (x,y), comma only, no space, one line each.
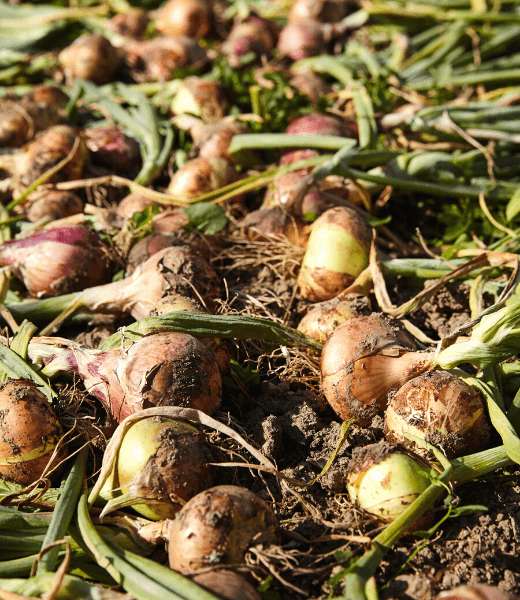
(206,217)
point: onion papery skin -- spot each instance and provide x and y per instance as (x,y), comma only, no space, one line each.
(57,261)
(478,591)
(384,481)
(202,98)
(323,318)
(227,584)
(166,369)
(163,461)
(337,252)
(28,426)
(218,526)
(441,409)
(145,248)
(363,360)
(191,18)
(266,223)
(201,175)
(46,151)
(91,57)
(54,204)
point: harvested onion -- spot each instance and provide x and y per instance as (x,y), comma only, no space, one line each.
(254,36)
(200,97)
(54,204)
(337,252)
(29,432)
(478,591)
(443,410)
(162,462)
(227,584)
(112,148)
(184,17)
(201,175)
(91,57)
(218,526)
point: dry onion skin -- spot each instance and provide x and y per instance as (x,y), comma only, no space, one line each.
(266,223)
(200,97)
(218,526)
(213,139)
(163,461)
(363,360)
(227,584)
(323,318)
(443,410)
(57,261)
(110,147)
(54,204)
(29,432)
(191,18)
(478,591)
(91,57)
(384,481)
(337,251)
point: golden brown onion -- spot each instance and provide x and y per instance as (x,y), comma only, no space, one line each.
(29,432)
(91,57)
(201,175)
(443,410)
(184,17)
(218,526)
(363,360)
(54,204)
(227,584)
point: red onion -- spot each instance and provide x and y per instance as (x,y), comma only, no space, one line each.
(256,36)
(91,57)
(29,432)
(165,369)
(54,204)
(57,261)
(310,84)
(184,17)
(113,149)
(148,246)
(218,526)
(320,124)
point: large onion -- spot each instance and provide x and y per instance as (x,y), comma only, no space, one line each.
(443,410)
(162,462)
(57,261)
(29,432)
(363,360)
(218,526)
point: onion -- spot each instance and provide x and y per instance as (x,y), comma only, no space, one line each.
(322,319)
(184,17)
(218,526)
(54,204)
(57,261)
(202,98)
(162,462)
(320,124)
(201,175)
(132,23)
(310,84)
(255,35)
(158,59)
(363,360)
(228,585)
(443,410)
(166,369)
(384,481)
(134,202)
(324,11)
(337,252)
(29,432)
(50,148)
(110,147)
(214,139)
(477,591)
(302,40)
(91,57)
(148,246)
(265,223)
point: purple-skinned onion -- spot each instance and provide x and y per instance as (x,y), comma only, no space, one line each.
(112,148)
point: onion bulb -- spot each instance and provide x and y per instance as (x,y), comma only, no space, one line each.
(164,369)
(477,591)
(443,410)
(266,223)
(323,318)
(213,139)
(54,204)
(134,202)
(110,147)
(324,11)
(200,97)
(162,462)
(218,526)
(184,17)
(365,358)
(337,252)
(29,432)
(384,481)
(57,261)
(201,175)
(132,23)
(91,57)
(227,584)
(254,36)
(320,124)
(302,39)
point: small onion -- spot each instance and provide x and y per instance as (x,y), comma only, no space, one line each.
(134,202)
(365,358)
(478,591)
(214,139)
(161,461)
(443,410)
(266,223)
(227,584)
(91,57)
(384,481)
(324,11)
(57,261)
(184,17)
(148,246)
(323,318)
(132,23)
(46,151)
(112,148)
(320,124)
(29,432)
(337,252)
(218,526)
(202,98)
(255,35)
(54,204)
(302,39)
(201,175)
